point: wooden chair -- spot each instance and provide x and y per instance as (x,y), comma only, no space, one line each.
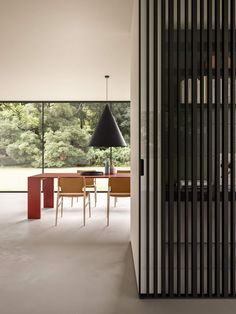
(120,171)
(117,187)
(91,184)
(72,187)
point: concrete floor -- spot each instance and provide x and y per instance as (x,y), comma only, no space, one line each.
(70,269)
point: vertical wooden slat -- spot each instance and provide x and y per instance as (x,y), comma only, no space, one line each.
(186,150)
(194,148)
(217,149)
(178,156)
(202,224)
(163,153)
(233,53)
(225,150)
(209,153)
(170,151)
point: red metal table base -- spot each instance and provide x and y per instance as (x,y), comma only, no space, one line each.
(48,190)
(34,196)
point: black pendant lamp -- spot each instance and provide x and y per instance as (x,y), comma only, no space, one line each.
(107,132)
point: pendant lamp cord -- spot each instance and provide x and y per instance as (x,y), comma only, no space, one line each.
(107,78)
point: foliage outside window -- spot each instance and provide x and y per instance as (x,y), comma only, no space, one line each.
(61,138)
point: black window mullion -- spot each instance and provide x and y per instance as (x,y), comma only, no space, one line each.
(42,135)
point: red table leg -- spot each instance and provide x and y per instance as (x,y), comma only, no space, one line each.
(48,190)
(34,198)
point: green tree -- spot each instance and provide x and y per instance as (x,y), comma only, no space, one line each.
(67,130)
(64,148)
(20,134)
(26,149)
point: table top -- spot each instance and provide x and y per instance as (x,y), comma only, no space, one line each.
(76,175)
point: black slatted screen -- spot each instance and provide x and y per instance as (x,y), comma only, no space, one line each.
(188,229)
(198,140)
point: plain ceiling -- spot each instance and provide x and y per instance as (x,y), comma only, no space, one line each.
(61,49)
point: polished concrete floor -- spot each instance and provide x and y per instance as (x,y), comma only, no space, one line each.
(71,269)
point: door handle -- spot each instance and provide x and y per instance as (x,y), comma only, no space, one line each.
(141,167)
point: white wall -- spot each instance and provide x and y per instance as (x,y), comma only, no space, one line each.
(135,139)
(61,49)
(146,233)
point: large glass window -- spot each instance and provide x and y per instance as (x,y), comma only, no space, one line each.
(54,137)
(20,144)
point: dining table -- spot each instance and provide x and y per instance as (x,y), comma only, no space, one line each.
(44,183)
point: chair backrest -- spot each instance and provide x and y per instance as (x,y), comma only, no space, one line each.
(119,185)
(71,185)
(89,181)
(123,171)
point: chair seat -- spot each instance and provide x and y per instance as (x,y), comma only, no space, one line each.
(74,194)
(120,194)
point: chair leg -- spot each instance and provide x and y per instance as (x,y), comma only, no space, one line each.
(95,195)
(84,208)
(115,201)
(72,201)
(57,209)
(108,208)
(62,206)
(89,199)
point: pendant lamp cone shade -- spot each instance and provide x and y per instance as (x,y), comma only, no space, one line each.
(107,133)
